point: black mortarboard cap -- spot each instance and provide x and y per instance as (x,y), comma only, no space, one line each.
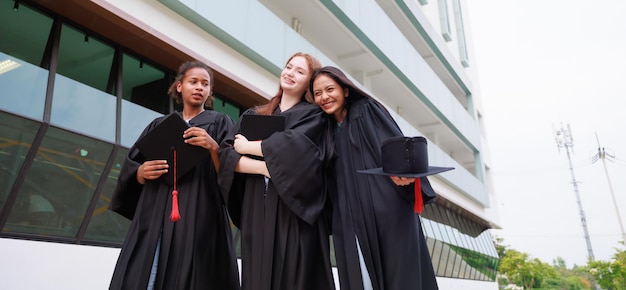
(167,137)
(260,127)
(407,157)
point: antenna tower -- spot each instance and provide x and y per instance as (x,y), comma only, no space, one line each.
(564,139)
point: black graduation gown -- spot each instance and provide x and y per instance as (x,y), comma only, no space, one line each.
(374,209)
(197,251)
(285,243)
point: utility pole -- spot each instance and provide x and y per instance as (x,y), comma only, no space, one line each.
(564,139)
(602,155)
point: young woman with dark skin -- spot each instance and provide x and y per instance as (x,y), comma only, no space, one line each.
(195,251)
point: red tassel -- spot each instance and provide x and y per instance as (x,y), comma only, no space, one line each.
(175,216)
(418,207)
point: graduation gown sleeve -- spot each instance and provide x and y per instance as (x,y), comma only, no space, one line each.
(126,195)
(231,183)
(294,161)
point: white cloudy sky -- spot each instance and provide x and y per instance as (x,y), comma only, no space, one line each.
(540,63)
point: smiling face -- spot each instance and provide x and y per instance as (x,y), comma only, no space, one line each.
(195,87)
(330,96)
(295,76)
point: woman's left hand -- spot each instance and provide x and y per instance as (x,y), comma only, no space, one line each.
(199,137)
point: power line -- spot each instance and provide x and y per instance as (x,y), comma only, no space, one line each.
(602,154)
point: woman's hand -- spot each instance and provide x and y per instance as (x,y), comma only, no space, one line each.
(199,137)
(151,170)
(243,146)
(402,181)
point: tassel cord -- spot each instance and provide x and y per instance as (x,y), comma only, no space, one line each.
(418,207)
(175,215)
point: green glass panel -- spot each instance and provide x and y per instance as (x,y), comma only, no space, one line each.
(86,59)
(227,108)
(16,137)
(104,224)
(24,32)
(59,185)
(145,85)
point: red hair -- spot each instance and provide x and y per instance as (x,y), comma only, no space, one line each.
(313,65)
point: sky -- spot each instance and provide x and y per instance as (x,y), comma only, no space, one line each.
(542,64)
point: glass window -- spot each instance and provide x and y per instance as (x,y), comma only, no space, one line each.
(82,99)
(457,243)
(83,109)
(438,231)
(489,243)
(427,227)
(16,136)
(104,224)
(145,85)
(220,105)
(438,260)
(490,261)
(24,32)
(23,87)
(144,97)
(455,251)
(429,235)
(86,59)
(59,185)
(135,119)
(465,242)
(451,243)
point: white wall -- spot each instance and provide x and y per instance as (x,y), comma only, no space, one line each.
(40,265)
(27,265)
(462,284)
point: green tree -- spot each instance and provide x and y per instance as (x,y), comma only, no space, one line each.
(522,270)
(531,273)
(611,274)
(567,279)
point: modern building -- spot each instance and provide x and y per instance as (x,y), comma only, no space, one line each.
(81,79)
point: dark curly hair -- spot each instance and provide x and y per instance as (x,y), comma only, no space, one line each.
(182,70)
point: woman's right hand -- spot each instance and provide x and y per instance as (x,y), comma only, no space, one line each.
(151,170)
(402,181)
(244,146)
(240,144)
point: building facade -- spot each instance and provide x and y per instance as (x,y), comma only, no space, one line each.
(81,79)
